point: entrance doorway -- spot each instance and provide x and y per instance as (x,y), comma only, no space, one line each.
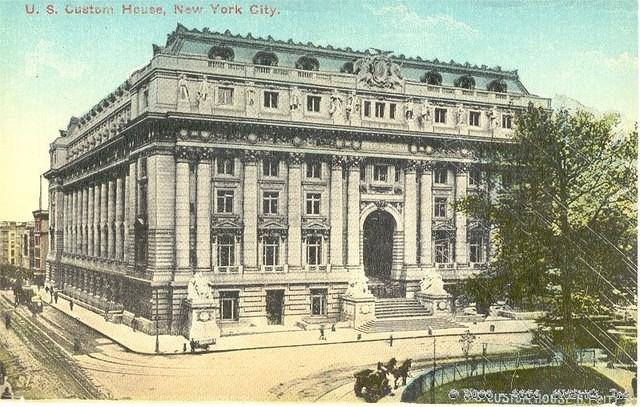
(378,251)
(275,305)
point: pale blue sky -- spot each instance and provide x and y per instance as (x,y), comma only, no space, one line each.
(56,66)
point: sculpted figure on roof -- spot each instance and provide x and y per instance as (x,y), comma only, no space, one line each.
(296,98)
(379,71)
(425,112)
(204,100)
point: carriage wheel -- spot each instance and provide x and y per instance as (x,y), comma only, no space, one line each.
(357,389)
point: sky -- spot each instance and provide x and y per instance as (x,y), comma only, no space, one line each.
(59,65)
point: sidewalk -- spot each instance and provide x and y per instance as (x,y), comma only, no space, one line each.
(140,342)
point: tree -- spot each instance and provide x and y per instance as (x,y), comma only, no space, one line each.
(565,228)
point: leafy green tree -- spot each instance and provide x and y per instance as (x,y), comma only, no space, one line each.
(564,230)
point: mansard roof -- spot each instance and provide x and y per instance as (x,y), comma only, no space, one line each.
(184,41)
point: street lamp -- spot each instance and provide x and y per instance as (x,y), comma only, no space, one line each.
(466,340)
(156,319)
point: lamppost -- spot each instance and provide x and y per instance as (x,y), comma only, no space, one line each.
(433,370)
(484,358)
(466,341)
(156,319)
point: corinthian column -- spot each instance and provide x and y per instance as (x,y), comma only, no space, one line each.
(96,220)
(85,223)
(426,213)
(203,213)
(410,214)
(119,218)
(103,219)
(74,231)
(294,203)
(462,172)
(250,211)
(182,211)
(111,217)
(353,213)
(336,238)
(90,223)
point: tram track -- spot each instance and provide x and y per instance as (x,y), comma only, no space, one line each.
(52,355)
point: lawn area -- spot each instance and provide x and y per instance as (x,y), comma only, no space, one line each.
(545,379)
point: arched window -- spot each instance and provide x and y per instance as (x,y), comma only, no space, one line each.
(221,52)
(307,63)
(465,82)
(497,85)
(347,67)
(432,77)
(265,58)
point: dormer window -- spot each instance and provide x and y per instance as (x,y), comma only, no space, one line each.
(221,52)
(265,58)
(432,77)
(497,85)
(307,63)
(347,67)
(465,82)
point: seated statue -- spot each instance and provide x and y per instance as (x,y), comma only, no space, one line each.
(198,289)
(432,284)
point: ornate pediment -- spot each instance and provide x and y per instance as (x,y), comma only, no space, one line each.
(225,222)
(477,226)
(267,222)
(315,226)
(378,71)
(445,225)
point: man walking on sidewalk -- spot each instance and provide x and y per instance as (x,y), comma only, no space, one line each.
(71,305)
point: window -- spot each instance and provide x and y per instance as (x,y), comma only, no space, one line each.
(440,115)
(313,103)
(270,203)
(440,208)
(442,248)
(380,173)
(318,301)
(271,100)
(474,119)
(367,108)
(314,247)
(145,98)
(225,166)
(314,170)
(225,96)
(392,110)
(226,251)
(441,176)
(313,204)
(270,251)
(143,167)
(224,202)
(474,177)
(270,168)
(379,109)
(506,121)
(476,254)
(229,305)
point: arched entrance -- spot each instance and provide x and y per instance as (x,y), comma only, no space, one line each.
(377,235)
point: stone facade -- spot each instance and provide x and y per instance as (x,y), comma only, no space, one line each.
(280,182)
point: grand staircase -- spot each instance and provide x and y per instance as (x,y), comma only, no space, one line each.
(400,308)
(404,314)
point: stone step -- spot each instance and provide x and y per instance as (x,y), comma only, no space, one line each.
(407,324)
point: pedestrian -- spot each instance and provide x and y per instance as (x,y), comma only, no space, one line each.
(7,320)
(322,337)
(359,337)
(634,385)
(76,345)
(134,323)
(55,297)
(391,340)
(46,289)
(333,327)
(71,305)
(184,347)
(106,316)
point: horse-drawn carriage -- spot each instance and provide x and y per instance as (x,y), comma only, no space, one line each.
(28,295)
(375,384)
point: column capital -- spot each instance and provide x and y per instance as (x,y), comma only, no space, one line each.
(204,155)
(353,163)
(426,166)
(250,156)
(184,153)
(338,161)
(295,158)
(411,166)
(462,168)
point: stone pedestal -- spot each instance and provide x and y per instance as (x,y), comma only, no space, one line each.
(200,325)
(438,304)
(358,311)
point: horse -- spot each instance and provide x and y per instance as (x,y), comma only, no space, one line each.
(401,372)
(374,383)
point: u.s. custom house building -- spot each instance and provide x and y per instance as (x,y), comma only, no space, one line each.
(281,171)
